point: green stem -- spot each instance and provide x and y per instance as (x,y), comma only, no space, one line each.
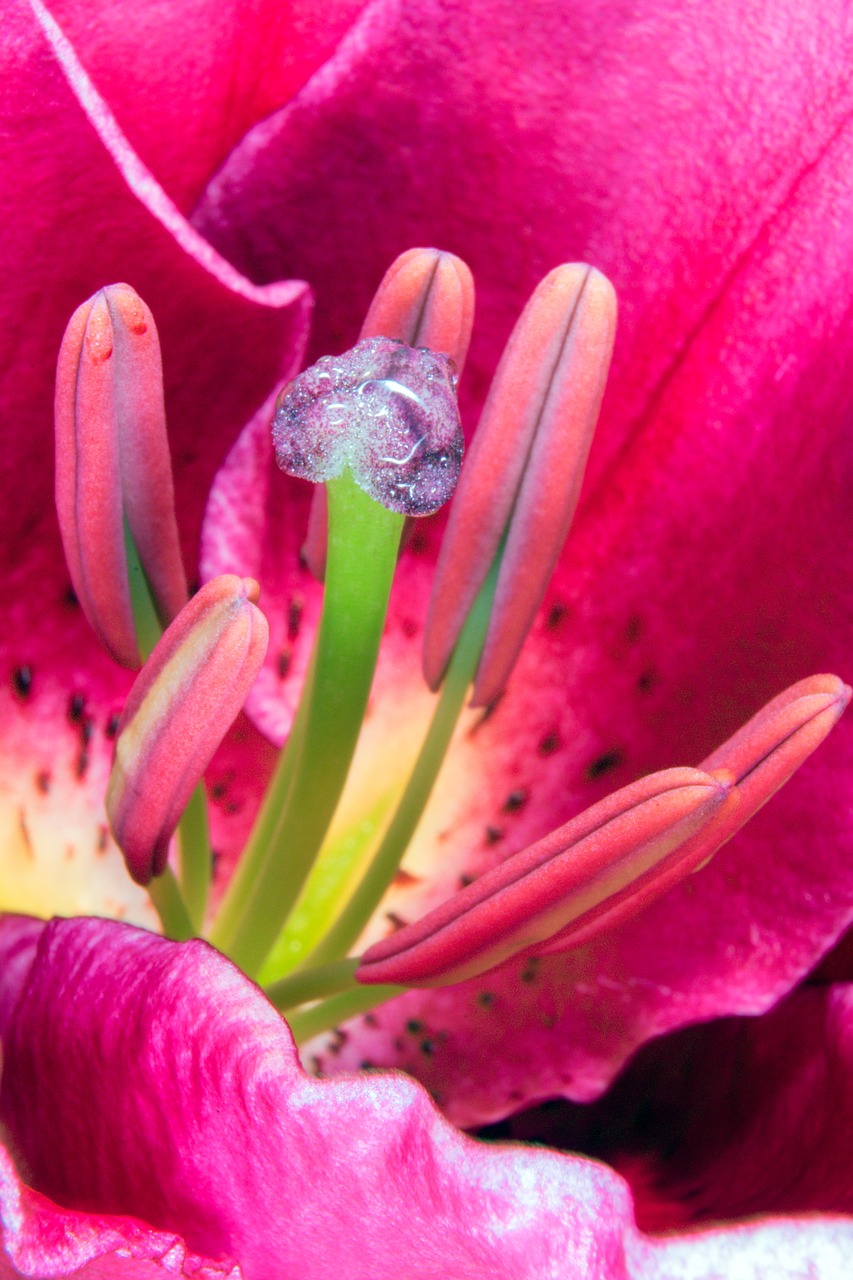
(238,895)
(363,542)
(195,860)
(312,984)
(334,876)
(166,896)
(337,1009)
(145,621)
(389,855)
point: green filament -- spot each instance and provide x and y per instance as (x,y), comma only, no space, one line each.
(363,543)
(333,877)
(170,907)
(326,1014)
(386,862)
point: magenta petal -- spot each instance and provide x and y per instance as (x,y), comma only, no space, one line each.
(42,1239)
(206,1126)
(732,1118)
(187,79)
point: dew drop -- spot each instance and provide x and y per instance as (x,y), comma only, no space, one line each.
(386,411)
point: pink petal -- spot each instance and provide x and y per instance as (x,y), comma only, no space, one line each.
(187,79)
(736,1117)
(41,1238)
(206,1127)
(76,216)
(709,564)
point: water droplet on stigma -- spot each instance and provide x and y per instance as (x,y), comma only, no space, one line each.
(386,411)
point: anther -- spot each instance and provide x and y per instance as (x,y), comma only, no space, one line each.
(524,470)
(113,465)
(614,849)
(756,762)
(178,711)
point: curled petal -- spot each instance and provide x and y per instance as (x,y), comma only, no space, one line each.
(425,299)
(184,700)
(524,470)
(113,465)
(207,1128)
(620,846)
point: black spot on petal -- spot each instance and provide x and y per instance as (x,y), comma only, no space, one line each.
(22,681)
(338,1040)
(516,800)
(556,616)
(605,763)
(550,743)
(76,707)
(493,835)
(295,610)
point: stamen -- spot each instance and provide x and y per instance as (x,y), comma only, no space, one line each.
(425,299)
(184,700)
(113,470)
(757,760)
(618,844)
(524,471)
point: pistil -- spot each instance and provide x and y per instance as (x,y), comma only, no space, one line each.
(381,428)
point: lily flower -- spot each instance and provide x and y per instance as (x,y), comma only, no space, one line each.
(707,566)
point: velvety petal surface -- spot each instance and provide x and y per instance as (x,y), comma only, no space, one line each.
(736,1117)
(208,1128)
(80,209)
(702,167)
(187,78)
(41,1238)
